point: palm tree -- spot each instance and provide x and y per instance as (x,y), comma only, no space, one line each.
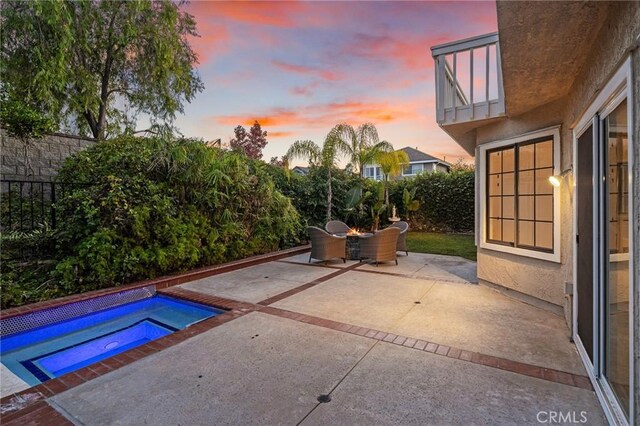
(325,157)
(361,145)
(391,165)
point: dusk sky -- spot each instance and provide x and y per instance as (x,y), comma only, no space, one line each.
(300,68)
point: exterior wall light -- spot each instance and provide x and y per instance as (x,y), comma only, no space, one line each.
(556,180)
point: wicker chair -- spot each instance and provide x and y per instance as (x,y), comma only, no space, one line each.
(402,238)
(381,246)
(337,227)
(325,246)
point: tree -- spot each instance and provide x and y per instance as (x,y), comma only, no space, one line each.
(361,145)
(391,166)
(97,64)
(281,162)
(325,157)
(251,143)
(461,165)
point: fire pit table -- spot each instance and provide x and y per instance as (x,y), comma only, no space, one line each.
(353,244)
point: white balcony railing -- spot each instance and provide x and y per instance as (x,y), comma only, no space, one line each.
(468,80)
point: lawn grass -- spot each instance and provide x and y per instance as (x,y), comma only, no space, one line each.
(449,244)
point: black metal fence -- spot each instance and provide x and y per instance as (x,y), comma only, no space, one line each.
(25,205)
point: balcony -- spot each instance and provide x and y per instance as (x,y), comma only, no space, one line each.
(468,80)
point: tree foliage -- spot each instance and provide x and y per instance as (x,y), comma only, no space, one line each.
(23,121)
(391,165)
(252,143)
(325,157)
(361,146)
(96,64)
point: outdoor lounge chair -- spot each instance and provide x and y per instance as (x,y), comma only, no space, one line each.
(337,227)
(325,246)
(381,246)
(402,238)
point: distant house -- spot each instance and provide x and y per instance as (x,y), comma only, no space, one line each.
(302,171)
(419,162)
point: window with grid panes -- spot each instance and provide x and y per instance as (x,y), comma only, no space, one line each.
(520,196)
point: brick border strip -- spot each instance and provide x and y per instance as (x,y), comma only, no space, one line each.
(317,264)
(215,301)
(40,413)
(161,282)
(397,274)
(303,287)
(530,370)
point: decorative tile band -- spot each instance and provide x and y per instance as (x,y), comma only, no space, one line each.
(20,323)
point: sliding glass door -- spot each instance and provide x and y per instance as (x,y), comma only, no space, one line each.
(615,291)
(603,268)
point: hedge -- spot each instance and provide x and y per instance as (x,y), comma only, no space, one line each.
(150,207)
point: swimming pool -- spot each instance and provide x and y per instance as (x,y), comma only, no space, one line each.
(49,351)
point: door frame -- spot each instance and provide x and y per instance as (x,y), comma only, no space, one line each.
(618,87)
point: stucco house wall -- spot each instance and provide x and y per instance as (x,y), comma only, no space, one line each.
(542,279)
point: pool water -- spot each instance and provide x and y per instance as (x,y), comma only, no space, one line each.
(48,352)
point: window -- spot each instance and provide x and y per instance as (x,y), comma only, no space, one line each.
(373,172)
(520,208)
(520,195)
(412,169)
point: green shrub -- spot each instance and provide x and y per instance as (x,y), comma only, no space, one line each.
(446,200)
(151,207)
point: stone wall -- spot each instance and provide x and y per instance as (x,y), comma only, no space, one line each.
(41,159)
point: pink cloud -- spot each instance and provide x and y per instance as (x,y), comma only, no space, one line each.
(304,69)
(329,114)
(276,14)
(306,90)
(212,40)
(409,52)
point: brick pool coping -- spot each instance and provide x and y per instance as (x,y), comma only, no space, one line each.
(34,409)
(160,282)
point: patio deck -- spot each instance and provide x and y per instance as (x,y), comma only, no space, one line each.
(413,344)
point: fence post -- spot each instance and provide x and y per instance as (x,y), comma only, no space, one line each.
(53,205)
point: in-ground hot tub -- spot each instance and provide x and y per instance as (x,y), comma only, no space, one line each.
(46,344)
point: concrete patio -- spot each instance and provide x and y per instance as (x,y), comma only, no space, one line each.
(271,365)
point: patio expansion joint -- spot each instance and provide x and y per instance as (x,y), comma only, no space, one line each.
(342,379)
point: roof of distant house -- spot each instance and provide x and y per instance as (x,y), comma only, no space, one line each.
(301,169)
(419,156)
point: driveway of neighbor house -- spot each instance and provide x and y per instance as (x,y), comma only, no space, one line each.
(417,343)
